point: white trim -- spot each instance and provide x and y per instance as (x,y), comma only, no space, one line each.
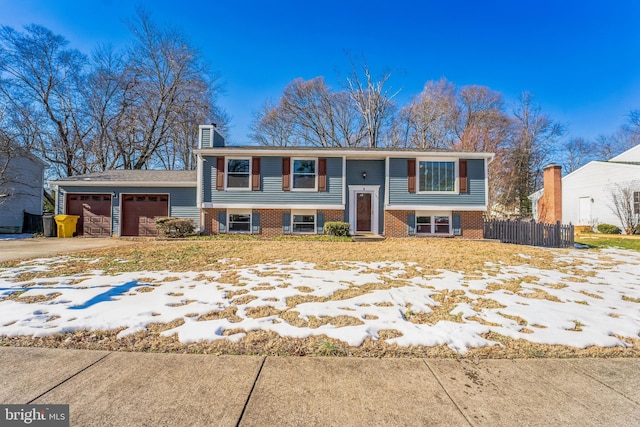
(211,135)
(386,180)
(226,173)
(199,172)
(344,180)
(239,212)
(374,190)
(313,212)
(349,153)
(435,207)
(456,178)
(287,206)
(115,184)
(433,214)
(292,173)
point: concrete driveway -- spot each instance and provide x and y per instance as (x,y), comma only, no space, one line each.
(11,250)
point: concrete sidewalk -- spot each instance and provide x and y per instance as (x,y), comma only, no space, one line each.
(134,389)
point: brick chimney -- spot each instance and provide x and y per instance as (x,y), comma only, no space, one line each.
(550,205)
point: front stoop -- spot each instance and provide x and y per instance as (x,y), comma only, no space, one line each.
(367,238)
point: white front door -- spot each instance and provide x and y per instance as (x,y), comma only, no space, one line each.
(364,203)
(584,211)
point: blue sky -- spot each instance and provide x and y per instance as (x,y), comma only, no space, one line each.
(581,59)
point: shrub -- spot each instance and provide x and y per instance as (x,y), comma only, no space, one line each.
(336,228)
(175,227)
(608,229)
(637,229)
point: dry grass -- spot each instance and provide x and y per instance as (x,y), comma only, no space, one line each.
(430,256)
(267,343)
(17,296)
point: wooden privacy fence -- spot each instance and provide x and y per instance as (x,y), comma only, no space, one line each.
(530,233)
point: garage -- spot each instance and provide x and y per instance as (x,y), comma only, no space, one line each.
(94,211)
(139,213)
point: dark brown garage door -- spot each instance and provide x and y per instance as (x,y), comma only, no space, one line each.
(139,213)
(94,211)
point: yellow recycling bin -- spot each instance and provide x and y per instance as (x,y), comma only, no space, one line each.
(66,224)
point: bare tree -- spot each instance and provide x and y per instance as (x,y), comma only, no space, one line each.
(428,122)
(309,113)
(271,126)
(481,124)
(533,136)
(372,99)
(166,82)
(625,201)
(43,81)
(576,153)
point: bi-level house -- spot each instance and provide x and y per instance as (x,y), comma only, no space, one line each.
(271,191)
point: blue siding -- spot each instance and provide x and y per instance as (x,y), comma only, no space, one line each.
(375,176)
(399,195)
(182,200)
(271,185)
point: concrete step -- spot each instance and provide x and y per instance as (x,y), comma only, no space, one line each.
(367,238)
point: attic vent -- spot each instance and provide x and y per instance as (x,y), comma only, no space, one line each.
(205,137)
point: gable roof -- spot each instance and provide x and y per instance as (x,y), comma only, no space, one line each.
(21,152)
(632,155)
(133,178)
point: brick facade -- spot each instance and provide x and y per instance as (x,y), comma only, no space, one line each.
(270,220)
(472,224)
(396,225)
(210,221)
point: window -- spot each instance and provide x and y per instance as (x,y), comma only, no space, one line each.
(437,176)
(636,202)
(433,222)
(304,175)
(303,222)
(238,173)
(239,222)
(423,224)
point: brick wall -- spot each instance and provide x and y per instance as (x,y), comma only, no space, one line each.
(211,221)
(333,215)
(270,222)
(396,223)
(471,224)
(550,204)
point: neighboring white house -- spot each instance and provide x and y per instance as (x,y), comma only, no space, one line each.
(21,187)
(587,191)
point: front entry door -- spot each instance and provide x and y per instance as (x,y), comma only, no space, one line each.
(363,212)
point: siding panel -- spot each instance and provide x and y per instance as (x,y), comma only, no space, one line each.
(272,193)
(398,194)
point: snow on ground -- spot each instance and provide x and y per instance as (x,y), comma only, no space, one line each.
(16,236)
(579,304)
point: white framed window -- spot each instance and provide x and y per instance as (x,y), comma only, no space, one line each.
(636,202)
(303,221)
(238,176)
(239,221)
(437,175)
(304,174)
(432,222)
